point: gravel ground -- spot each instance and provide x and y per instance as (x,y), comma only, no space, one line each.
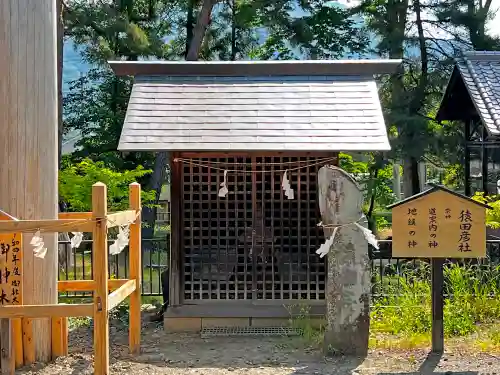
(175,354)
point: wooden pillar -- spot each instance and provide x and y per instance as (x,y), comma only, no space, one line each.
(135,271)
(484,158)
(28,145)
(175,230)
(437,305)
(467,130)
(100,270)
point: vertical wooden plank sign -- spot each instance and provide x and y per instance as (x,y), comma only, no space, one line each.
(11,291)
(11,269)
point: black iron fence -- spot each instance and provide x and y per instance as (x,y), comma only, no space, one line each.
(387,272)
(76,264)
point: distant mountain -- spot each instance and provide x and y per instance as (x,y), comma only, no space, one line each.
(74,66)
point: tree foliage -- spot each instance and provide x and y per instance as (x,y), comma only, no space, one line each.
(284,29)
(492,214)
(76,180)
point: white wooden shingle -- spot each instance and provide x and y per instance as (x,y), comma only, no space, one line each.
(292,113)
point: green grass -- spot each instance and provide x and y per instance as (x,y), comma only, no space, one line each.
(406,308)
(402,319)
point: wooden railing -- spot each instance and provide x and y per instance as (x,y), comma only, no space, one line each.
(18,347)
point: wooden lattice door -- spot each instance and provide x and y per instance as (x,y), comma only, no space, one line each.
(254,243)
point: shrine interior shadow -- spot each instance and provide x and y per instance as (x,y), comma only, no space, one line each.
(428,367)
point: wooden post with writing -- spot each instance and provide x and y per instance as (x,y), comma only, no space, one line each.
(28,149)
(100,270)
(11,293)
(135,271)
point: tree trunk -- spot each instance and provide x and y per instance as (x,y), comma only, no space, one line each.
(200,29)
(198,33)
(189,25)
(157,180)
(411,181)
(160,167)
(348,281)
(233,31)
(29,142)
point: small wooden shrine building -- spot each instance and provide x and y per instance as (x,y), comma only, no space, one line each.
(246,255)
(472,97)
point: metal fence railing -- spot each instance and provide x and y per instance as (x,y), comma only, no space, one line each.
(78,265)
(387,271)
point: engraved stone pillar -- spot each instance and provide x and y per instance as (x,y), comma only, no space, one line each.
(348,280)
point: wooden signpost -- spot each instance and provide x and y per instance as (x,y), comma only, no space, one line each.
(11,269)
(11,293)
(438,224)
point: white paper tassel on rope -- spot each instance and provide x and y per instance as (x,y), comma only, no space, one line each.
(325,248)
(223,187)
(286,186)
(121,241)
(76,240)
(370,237)
(38,245)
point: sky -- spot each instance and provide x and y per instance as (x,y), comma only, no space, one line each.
(493,25)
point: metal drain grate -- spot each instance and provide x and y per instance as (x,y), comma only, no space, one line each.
(249,331)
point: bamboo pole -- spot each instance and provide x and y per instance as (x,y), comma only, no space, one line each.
(135,271)
(28,145)
(100,269)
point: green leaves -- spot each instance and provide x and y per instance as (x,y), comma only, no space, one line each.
(493,214)
(131,29)
(76,180)
(314,29)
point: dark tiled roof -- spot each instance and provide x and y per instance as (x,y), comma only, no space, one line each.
(480,71)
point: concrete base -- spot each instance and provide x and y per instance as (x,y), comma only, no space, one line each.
(195,325)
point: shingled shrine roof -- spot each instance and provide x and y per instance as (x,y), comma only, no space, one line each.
(477,75)
(264,105)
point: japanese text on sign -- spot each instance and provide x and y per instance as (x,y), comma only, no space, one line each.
(412,222)
(439,224)
(10,269)
(465,228)
(433,228)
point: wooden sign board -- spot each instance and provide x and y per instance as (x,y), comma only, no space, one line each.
(438,223)
(11,265)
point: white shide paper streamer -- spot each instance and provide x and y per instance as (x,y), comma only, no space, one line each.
(38,245)
(367,233)
(223,187)
(286,186)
